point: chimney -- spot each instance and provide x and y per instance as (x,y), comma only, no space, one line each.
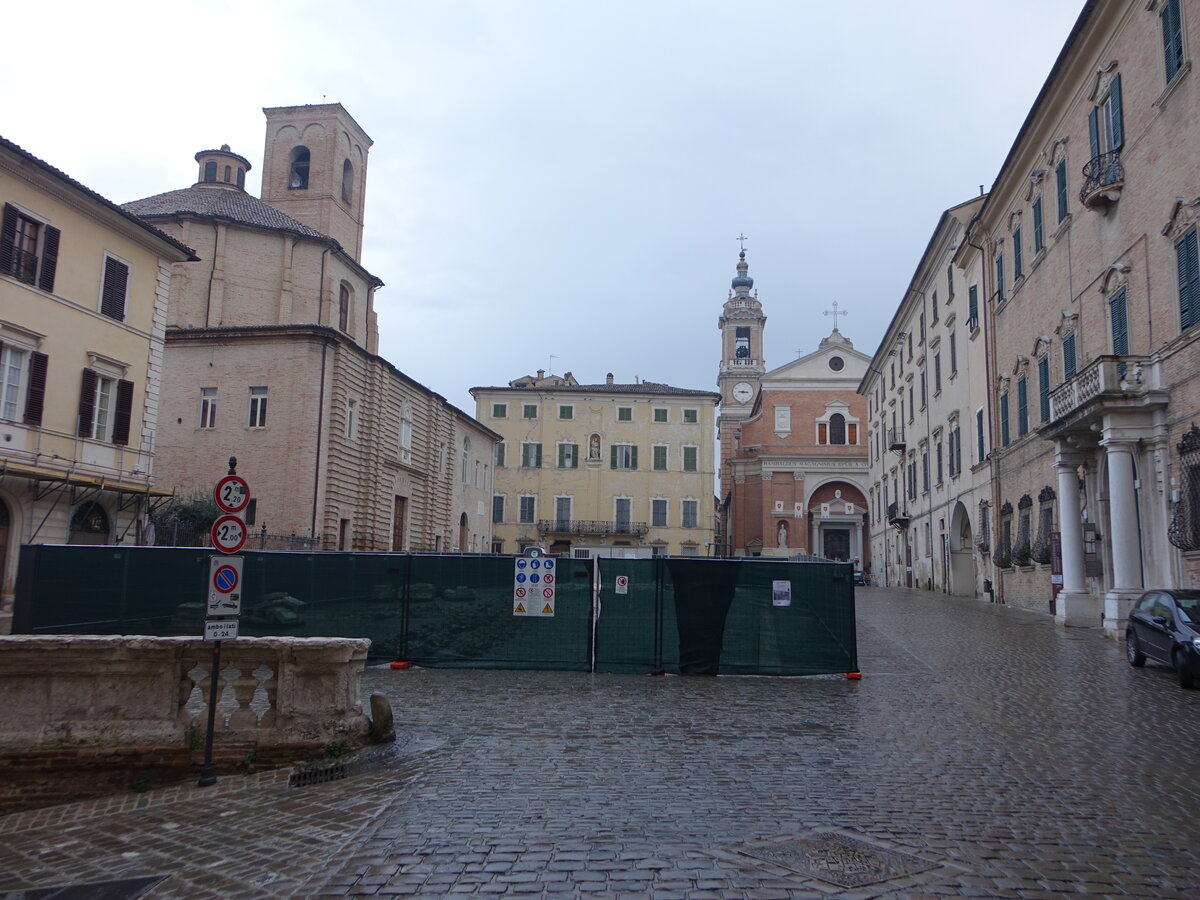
(541,374)
(608,380)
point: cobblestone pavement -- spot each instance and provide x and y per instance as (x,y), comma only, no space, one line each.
(985,753)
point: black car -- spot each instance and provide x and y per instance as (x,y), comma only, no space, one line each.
(1164,625)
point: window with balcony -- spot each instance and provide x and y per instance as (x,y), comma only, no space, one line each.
(562,513)
(1119,321)
(623,515)
(1106,136)
(28,248)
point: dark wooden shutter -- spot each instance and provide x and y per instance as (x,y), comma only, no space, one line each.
(1018,265)
(87,403)
(116,279)
(612,456)
(1069,356)
(633,457)
(49,259)
(1118,114)
(8,238)
(1187,262)
(1094,132)
(124,412)
(35,396)
(1172,34)
(1060,176)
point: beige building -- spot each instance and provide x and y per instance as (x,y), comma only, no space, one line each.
(926,388)
(272,356)
(1086,246)
(83,309)
(601,469)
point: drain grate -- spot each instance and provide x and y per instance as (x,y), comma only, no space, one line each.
(334,772)
(839,859)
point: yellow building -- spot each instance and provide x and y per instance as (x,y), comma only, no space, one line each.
(601,469)
(83,308)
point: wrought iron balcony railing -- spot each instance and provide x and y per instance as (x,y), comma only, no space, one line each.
(896,439)
(578,526)
(1103,178)
(897,515)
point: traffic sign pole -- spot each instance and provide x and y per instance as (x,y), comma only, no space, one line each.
(232,495)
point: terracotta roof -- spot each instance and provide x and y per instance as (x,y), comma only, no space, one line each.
(132,217)
(235,206)
(644,387)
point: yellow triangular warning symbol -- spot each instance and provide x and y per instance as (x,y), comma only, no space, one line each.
(548,611)
(520,608)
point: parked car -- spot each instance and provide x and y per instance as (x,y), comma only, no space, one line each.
(1164,625)
(861,578)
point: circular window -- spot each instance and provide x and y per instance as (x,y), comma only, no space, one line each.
(836,363)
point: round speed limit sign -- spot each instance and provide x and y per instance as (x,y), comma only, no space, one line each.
(228,534)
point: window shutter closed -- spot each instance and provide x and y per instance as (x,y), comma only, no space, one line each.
(124,412)
(633,457)
(537,456)
(612,456)
(8,238)
(49,259)
(1120,324)
(1069,356)
(1094,132)
(1118,115)
(1187,262)
(35,398)
(87,403)
(116,279)
(1172,35)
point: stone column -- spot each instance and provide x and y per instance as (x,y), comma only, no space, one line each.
(1124,537)
(1076,605)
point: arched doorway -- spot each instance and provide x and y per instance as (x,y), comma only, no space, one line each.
(962,553)
(89,524)
(462,533)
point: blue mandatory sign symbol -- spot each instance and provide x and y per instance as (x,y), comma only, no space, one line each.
(549,564)
(533,579)
(521,578)
(521,563)
(535,563)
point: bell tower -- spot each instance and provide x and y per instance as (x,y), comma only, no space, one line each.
(742,367)
(315,169)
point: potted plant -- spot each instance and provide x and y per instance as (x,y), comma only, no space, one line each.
(1042,553)
(1022,555)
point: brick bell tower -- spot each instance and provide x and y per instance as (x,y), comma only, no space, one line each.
(315,169)
(742,367)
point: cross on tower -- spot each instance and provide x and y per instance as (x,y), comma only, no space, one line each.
(835,312)
(742,241)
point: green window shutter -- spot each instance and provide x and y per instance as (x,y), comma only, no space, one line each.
(1022,406)
(689,459)
(500,455)
(1004,419)
(612,456)
(1017,267)
(659,462)
(1118,114)
(1172,35)
(1094,131)
(1120,324)
(537,456)
(1044,388)
(633,457)
(1039,240)
(1060,177)
(1069,357)
(1187,263)
(1000,277)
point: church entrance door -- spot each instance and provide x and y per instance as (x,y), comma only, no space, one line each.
(836,543)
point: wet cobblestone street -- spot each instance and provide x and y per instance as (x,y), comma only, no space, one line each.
(986,753)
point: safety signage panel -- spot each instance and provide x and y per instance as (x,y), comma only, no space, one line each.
(225,585)
(232,493)
(622,584)
(534,582)
(220,629)
(228,534)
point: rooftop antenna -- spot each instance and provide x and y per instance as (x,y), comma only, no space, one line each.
(552,359)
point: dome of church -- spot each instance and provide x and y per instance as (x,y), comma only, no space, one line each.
(742,280)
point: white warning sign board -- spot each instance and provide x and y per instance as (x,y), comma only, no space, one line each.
(622,584)
(534,585)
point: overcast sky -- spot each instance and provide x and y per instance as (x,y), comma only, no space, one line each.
(558,184)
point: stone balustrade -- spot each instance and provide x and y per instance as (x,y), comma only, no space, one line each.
(100,691)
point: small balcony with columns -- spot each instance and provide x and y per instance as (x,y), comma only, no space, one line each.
(1110,412)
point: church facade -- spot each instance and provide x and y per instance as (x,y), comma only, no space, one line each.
(793,474)
(271,355)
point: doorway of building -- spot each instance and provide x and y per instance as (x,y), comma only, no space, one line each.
(399,509)
(462,533)
(836,544)
(4,524)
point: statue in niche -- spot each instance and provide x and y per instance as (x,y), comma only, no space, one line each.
(594,447)
(782,535)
